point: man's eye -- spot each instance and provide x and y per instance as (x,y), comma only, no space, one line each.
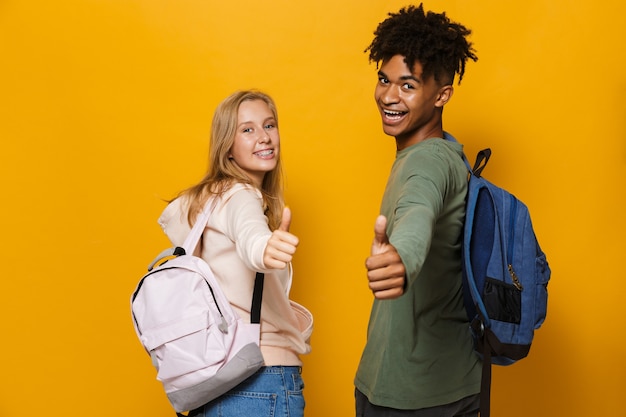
(408,86)
(383,80)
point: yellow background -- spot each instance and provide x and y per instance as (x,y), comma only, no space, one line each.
(105,110)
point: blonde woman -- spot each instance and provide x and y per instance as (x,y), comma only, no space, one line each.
(248,231)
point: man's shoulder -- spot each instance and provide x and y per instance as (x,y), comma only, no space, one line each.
(431,152)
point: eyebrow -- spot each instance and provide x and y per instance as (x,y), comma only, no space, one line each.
(271,118)
(402,78)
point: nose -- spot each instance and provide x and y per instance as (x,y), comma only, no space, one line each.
(264,137)
(388,94)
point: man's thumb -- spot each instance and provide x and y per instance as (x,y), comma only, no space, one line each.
(380,230)
(285,222)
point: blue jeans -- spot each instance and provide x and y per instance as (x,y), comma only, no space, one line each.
(273,391)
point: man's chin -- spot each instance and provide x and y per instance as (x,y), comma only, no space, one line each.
(391,130)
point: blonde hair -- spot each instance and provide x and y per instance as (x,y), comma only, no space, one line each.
(222,172)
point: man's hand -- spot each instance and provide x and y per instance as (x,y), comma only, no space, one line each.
(282,245)
(385,270)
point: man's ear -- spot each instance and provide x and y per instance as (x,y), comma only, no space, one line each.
(444,95)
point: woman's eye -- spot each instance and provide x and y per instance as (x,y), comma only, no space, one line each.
(247,130)
(270,126)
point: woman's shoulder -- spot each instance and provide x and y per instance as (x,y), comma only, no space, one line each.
(176,209)
(240,200)
(242,187)
(173,220)
(242,193)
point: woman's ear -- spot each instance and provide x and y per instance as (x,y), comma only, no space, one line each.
(445,93)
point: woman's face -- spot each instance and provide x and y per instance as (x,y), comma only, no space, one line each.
(257,142)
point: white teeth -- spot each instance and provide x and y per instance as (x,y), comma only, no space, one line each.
(267,152)
(393,114)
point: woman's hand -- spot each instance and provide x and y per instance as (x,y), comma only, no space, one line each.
(282,245)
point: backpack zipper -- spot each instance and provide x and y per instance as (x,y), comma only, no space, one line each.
(223,325)
(512,219)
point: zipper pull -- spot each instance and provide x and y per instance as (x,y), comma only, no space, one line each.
(515,279)
(223,326)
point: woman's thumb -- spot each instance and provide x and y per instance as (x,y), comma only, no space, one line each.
(285,222)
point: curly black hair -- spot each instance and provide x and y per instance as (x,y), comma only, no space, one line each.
(431,39)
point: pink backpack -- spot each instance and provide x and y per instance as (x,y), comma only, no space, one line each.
(199,346)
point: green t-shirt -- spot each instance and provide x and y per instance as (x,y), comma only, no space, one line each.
(419,349)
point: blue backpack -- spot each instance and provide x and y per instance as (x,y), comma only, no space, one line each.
(505,274)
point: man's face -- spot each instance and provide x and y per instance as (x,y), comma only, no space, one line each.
(409,105)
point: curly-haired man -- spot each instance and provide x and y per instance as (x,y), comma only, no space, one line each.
(418,360)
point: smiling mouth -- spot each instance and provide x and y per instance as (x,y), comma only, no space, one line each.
(265,153)
(393,115)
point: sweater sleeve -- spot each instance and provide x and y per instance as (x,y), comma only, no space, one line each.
(246,225)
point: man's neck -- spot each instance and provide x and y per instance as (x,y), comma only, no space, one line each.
(403,142)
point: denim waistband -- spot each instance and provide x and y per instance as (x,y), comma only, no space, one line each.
(280,370)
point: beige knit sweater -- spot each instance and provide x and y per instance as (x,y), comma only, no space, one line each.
(233,244)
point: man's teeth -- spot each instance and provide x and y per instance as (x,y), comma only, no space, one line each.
(393,114)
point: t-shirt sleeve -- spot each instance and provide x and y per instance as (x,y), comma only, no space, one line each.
(417,209)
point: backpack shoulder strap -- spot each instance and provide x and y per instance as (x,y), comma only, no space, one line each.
(485,389)
(481,159)
(190,243)
(192,239)
(451,138)
(257,298)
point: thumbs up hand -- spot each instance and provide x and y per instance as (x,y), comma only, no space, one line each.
(281,246)
(385,269)
(381,241)
(285,222)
